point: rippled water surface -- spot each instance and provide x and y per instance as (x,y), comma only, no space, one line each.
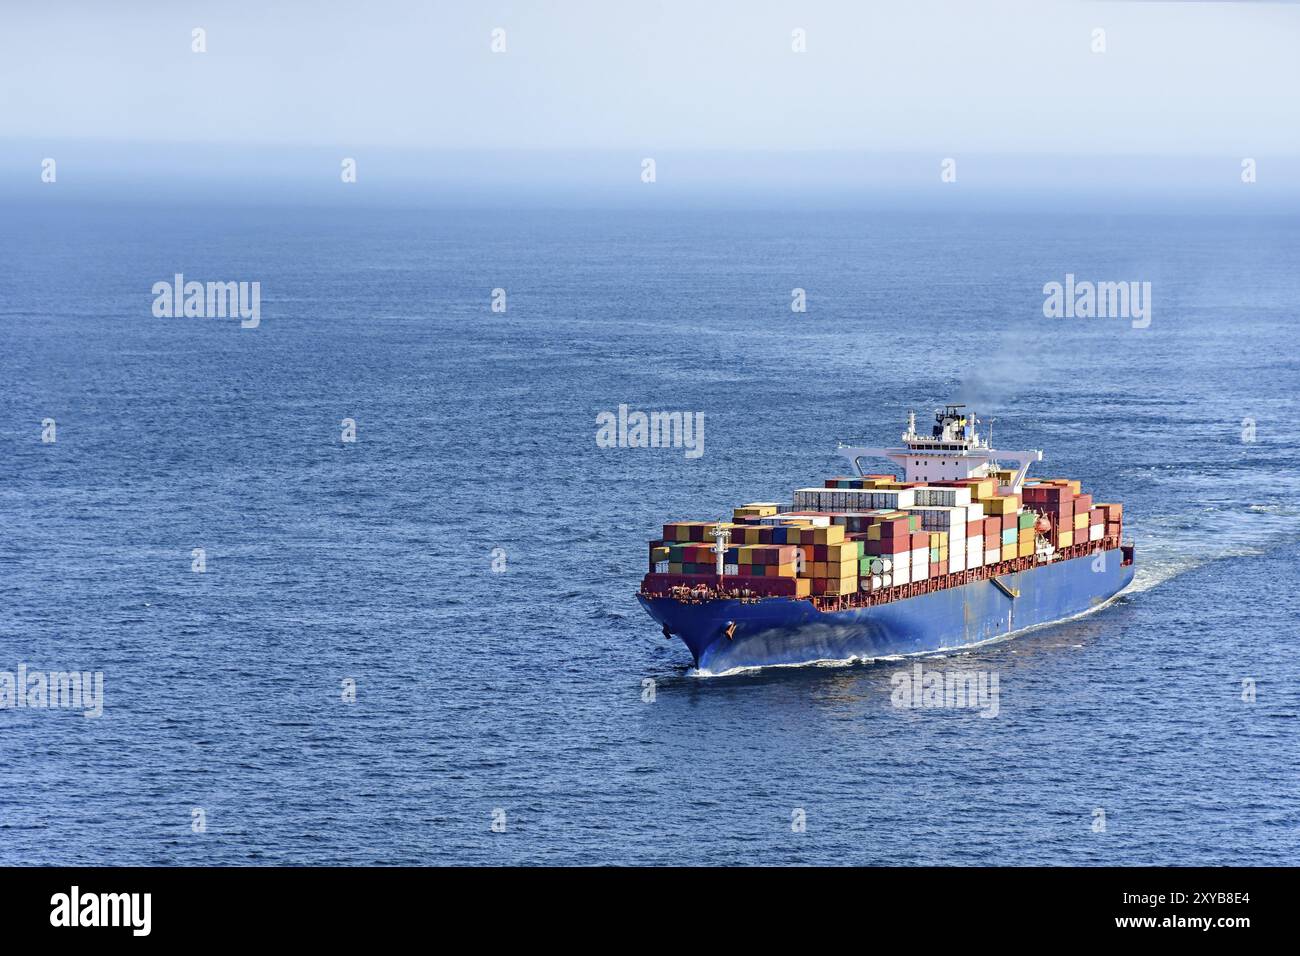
(523,690)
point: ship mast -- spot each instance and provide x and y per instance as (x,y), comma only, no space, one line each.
(720,537)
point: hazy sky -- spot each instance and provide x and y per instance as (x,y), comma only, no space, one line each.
(901,75)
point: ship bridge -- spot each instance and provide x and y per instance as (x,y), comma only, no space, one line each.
(953,450)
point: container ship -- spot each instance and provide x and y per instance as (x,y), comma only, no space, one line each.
(960,550)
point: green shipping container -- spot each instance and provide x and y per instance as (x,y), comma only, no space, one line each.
(1027,519)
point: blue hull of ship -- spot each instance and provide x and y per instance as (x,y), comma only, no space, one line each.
(790,631)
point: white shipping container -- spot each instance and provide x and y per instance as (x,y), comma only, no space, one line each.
(956,560)
(974,553)
(992,556)
(943,497)
(974,511)
(939,518)
(817,521)
(1095,532)
(824,499)
(731,569)
(902,576)
(902,562)
(920,564)
(661,567)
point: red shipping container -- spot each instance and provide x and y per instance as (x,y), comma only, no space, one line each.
(920,539)
(895,527)
(1046,494)
(1082,503)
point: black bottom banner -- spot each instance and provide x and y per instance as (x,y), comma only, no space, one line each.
(338,905)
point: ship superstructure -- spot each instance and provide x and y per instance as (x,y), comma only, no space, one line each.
(953,451)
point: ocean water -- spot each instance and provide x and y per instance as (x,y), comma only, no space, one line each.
(521,693)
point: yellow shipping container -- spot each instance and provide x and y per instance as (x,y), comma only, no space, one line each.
(842,585)
(831,535)
(1025,549)
(1027,534)
(1008,552)
(765,508)
(986,488)
(659,554)
(1002,505)
(785,570)
(802,587)
(844,551)
(1081,522)
(1065,539)
(819,569)
(753,511)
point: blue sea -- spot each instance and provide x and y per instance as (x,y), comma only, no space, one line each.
(349,680)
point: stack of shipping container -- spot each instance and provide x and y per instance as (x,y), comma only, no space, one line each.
(871,532)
